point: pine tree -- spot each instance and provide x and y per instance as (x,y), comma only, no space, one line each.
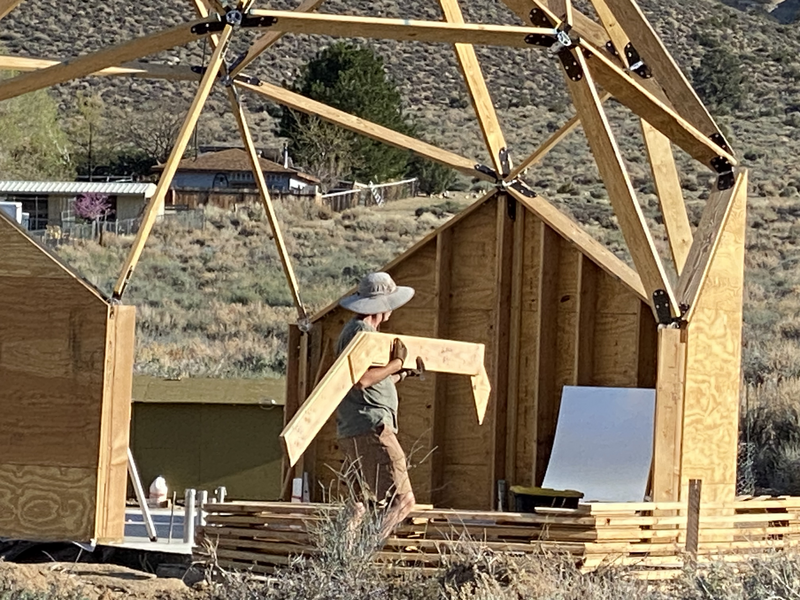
(350,78)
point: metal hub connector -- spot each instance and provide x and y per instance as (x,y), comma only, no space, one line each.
(563,42)
(234,17)
(304,324)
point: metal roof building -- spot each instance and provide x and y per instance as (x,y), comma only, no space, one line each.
(77,187)
(46,202)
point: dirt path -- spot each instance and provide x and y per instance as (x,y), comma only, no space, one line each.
(92,582)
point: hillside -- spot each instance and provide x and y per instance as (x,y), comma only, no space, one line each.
(212,301)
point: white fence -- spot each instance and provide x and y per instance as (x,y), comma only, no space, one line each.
(370,194)
(71,231)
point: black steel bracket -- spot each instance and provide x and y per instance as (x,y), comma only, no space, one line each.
(236,19)
(725,175)
(505,161)
(480,168)
(521,187)
(571,65)
(663,311)
(227,79)
(208,27)
(540,19)
(720,141)
(511,207)
(249,79)
(636,64)
(612,49)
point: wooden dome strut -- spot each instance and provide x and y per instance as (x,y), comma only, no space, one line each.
(621,54)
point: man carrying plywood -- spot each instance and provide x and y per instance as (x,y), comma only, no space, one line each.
(367,417)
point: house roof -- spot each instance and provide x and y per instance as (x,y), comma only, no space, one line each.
(77,187)
(565,226)
(233,159)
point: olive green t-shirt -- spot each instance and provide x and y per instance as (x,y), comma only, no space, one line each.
(365,410)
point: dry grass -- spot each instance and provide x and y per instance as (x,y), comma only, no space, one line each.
(214,301)
(474,573)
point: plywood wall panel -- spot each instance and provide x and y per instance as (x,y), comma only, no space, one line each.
(713,367)
(473,269)
(616,362)
(465,487)
(47,503)
(65,387)
(418,272)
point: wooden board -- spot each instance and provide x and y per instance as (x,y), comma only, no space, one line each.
(401,29)
(477,89)
(620,190)
(266,201)
(707,237)
(135,69)
(666,475)
(91,63)
(666,70)
(115,424)
(6,6)
(364,127)
(647,106)
(670,195)
(372,349)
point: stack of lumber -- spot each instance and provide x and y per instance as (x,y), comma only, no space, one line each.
(730,531)
(646,536)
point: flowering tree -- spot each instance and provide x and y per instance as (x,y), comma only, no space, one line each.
(92,206)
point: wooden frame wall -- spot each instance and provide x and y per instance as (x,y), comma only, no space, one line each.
(467,288)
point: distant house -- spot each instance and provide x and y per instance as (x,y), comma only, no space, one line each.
(230,170)
(47,202)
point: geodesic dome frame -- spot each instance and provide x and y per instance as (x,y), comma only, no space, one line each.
(621,56)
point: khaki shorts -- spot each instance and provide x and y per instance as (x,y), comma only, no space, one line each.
(379,465)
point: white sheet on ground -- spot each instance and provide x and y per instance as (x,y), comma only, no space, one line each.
(604,443)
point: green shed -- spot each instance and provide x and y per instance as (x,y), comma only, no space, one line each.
(205,433)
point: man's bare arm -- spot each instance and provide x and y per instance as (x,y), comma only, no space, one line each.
(376,374)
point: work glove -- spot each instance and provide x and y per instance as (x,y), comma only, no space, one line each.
(399,350)
(418,372)
(405,373)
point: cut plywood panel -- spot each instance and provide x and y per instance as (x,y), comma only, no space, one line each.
(713,367)
(66,360)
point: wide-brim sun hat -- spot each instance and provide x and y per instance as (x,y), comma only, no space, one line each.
(377,293)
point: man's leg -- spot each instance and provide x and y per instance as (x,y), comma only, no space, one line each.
(395,482)
(353,475)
